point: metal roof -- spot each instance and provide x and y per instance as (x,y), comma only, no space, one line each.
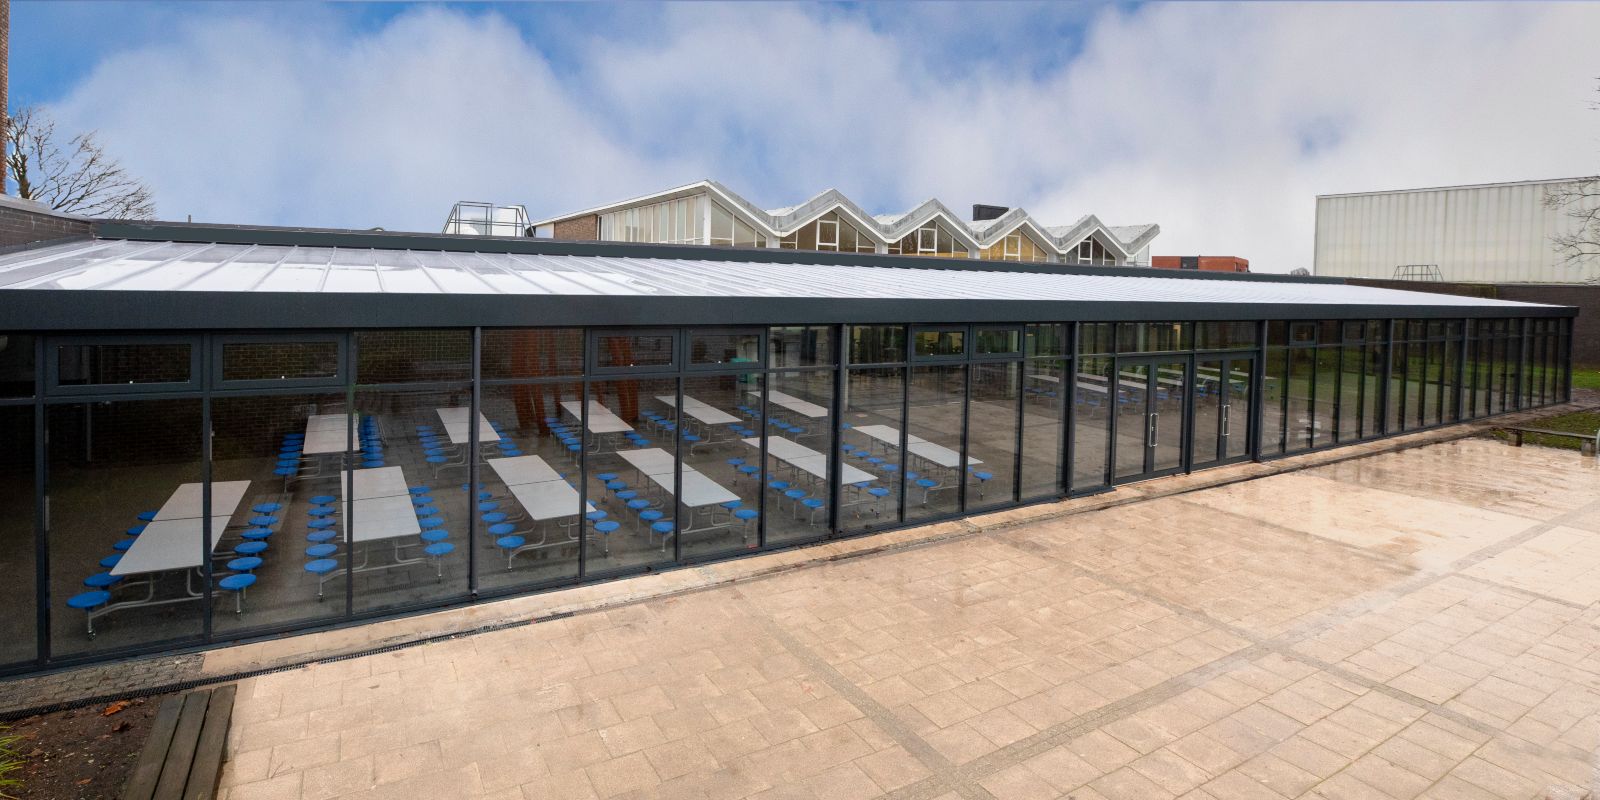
(108,265)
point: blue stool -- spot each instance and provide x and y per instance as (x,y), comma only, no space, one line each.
(321,524)
(372,463)
(606,477)
(734,462)
(510,545)
(427,511)
(122,545)
(607,526)
(256,533)
(616,486)
(263,521)
(650,516)
(420,500)
(778,486)
(320,568)
(627,494)
(245,564)
(147,516)
(237,584)
(430,522)
(795,494)
(102,580)
(501,529)
(321,550)
(317,511)
(488,506)
(251,548)
(415,491)
(749,469)
(595,516)
(110,561)
(323,499)
(287,472)
(732,504)
(664,528)
(135,530)
(437,551)
(266,508)
(510,452)
(815,504)
(435,535)
(494,517)
(89,601)
(638,504)
(748,517)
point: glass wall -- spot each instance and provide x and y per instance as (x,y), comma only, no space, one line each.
(831,232)
(932,239)
(678,221)
(353,474)
(1016,246)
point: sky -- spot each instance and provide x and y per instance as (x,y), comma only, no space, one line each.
(1220,122)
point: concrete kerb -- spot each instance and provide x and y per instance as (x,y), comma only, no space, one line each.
(160,673)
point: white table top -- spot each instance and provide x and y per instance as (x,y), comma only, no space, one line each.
(601,420)
(523,469)
(325,433)
(1046,378)
(185,501)
(455,426)
(168,545)
(649,461)
(382,518)
(938,454)
(795,404)
(808,460)
(371,483)
(548,499)
(705,412)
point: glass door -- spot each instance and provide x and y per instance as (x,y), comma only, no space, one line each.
(1220,393)
(1151,394)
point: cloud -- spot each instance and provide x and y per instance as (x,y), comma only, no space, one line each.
(1220,122)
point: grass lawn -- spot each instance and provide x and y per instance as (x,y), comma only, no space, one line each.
(1586,377)
(1577,422)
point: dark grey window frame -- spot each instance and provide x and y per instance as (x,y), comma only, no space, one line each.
(51,369)
(219,343)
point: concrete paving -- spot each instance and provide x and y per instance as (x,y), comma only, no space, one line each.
(1416,623)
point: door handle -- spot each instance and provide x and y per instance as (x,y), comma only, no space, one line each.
(1226,423)
(1154,428)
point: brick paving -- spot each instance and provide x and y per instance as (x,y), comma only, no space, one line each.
(1418,623)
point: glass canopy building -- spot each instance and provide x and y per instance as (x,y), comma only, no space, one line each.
(214,433)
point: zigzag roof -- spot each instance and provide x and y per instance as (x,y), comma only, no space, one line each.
(1124,240)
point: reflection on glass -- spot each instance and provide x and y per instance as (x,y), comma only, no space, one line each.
(16,534)
(532,353)
(1091,432)
(632,443)
(119,363)
(1273,395)
(934,472)
(992,434)
(1045,388)
(718,347)
(16,365)
(528,508)
(615,351)
(125,487)
(291,450)
(799,421)
(720,507)
(1301,416)
(877,344)
(870,444)
(800,346)
(940,343)
(1327,395)
(401,356)
(279,360)
(1135,427)
(414,444)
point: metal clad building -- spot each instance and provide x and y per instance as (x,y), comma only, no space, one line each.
(1489,233)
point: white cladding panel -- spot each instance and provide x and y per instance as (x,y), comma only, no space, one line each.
(1477,234)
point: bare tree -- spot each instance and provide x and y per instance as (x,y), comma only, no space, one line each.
(76,176)
(1581,201)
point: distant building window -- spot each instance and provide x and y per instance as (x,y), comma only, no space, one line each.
(678,221)
(829,233)
(1091,251)
(932,239)
(726,229)
(1016,246)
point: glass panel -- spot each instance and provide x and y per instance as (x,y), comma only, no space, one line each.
(800,346)
(1046,340)
(1236,412)
(614,351)
(272,361)
(877,344)
(16,534)
(1302,382)
(1044,387)
(408,356)
(998,341)
(1397,385)
(1327,399)
(125,486)
(719,509)
(532,352)
(1097,337)
(1273,394)
(1151,337)
(527,530)
(1432,377)
(1210,391)
(940,343)
(799,412)
(111,364)
(1351,362)
(718,347)
(290,449)
(992,434)
(1133,420)
(1091,432)
(872,409)
(933,448)
(1171,391)
(1450,369)
(1416,361)
(1224,335)
(16,365)
(631,448)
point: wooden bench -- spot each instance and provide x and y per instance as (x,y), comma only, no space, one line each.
(1586,441)
(182,759)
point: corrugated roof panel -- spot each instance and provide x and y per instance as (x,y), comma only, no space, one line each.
(165,266)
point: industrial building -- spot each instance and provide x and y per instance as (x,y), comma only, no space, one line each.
(1494,233)
(215,433)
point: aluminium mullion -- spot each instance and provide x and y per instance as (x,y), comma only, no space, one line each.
(761,477)
(207,536)
(679,507)
(961,461)
(583,464)
(905,426)
(347,464)
(836,437)
(473,455)
(41,513)
(1022,418)
(1068,416)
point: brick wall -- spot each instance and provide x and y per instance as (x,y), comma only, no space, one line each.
(585,228)
(1585,297)
(24,221)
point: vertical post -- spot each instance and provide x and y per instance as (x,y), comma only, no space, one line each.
(1016,450)
(207,536)
(905,419)
(41,508)
(836,437)
(1257,400)
(1068,416)
(679,507)
(583,458)
(966,404)
(347,466)
(473,457)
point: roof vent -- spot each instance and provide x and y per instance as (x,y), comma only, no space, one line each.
(981,212)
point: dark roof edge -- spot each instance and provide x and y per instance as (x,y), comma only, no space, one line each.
(394,240)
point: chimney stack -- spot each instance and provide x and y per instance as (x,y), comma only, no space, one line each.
(981,212)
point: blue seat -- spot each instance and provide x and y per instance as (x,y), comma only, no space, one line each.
(616,486)
(415,491)
(146,516)
(285,471)
(494,517)
(135,530)
(420,500)
(251,548)
(627,494)
(488,506)
(595,515)
(321,566)
(237,582)
(266,508)
(734,462)
(110,561)
(638,504)
(321,550)
(244,564)
(427,511)
(878,491)
(102,580)
(778,486)
(263,521)
(256,533)
(606,526)
(732,504)
(605,477)
(749,469)
(320,511)
(431,522)
(746,514)
(89,600)
(663,527)
(501,529)
(795,494)
(650,516)
(323,499)
(122,545)
(435,535)
(438,549)
(510,451)
(372,463)
(321,524)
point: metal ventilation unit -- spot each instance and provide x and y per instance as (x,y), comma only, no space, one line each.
(487,219)
(1417,272)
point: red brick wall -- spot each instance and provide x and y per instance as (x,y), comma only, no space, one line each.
(20,224)
(585,228)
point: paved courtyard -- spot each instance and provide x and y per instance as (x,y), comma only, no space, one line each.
(1415,624)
